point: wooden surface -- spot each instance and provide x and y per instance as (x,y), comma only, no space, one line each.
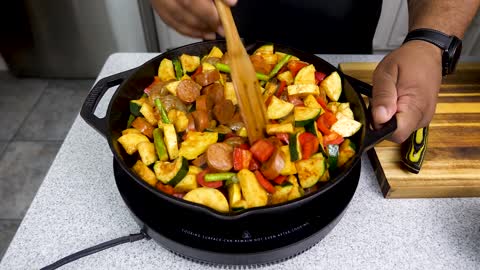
(452,162)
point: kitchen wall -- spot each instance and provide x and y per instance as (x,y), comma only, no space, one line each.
(393,26)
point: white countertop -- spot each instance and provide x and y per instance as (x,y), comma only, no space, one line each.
(78,206)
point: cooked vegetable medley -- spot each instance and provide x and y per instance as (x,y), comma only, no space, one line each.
(190,141)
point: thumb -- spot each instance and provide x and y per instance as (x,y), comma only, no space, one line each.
(384,95)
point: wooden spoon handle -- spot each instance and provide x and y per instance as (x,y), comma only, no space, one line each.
(247,88)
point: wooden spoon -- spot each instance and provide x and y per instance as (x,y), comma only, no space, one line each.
(247,88)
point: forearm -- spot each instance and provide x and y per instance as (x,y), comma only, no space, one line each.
(449,16)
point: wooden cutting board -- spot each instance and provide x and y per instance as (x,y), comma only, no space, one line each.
(452,162)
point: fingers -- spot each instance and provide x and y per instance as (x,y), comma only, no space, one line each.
(195,18)
(384,99)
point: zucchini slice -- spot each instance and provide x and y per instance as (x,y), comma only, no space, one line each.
(305,115)
(165,70)
(171,173)
(189,182)
(210,197)
(279,108)
(310,171)
(146,150)
(253,192)
(279,128)
(346,127)
(305,75)
(234,194)
(215,52)
(332,85)
(170,140)
(281,193)
(189,62)
(147,111)
(286,76)
(145,173)
(265,49)
(294,147)
(135,106)
(229,93)
(332,150)
(197,143)
(345,152)
(303,90)
(297,190)
(289,167)
(160,145)
(130,142)
(311,102)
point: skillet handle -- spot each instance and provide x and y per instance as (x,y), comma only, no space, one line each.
(372,136)
(90,104)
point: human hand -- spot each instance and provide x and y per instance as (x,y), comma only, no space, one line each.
(195,18)
(406,83)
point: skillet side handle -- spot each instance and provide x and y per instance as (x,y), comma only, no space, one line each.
(372,136)
(360,86)
(90,104)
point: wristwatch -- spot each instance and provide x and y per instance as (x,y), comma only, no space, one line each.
(451,46)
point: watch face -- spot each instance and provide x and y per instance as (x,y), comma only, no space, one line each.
(454,54)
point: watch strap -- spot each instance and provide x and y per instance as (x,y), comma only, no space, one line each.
(435,37)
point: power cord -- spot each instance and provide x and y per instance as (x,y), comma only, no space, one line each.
(88,251)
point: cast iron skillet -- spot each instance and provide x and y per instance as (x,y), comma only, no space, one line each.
(133,82)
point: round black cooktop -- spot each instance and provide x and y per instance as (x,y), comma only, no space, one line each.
(251,242)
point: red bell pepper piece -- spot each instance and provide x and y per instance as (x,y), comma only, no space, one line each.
(281,88)
(309,144)
(165,188)
(262,150)
(280,179)
(203,183)
(332,138)
(325,122)
(284,137)
(295,65)
(264,182)
(241,158)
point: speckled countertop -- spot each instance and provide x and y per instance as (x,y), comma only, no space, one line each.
(78,206)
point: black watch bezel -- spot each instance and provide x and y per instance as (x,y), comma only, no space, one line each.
(451,55)
(451,46)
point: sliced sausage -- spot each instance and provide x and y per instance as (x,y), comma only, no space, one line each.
(271,169)
(207,77)
(204,103)
(224,111)
(201,120)
(215,91)
(220,157)
(188,91)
